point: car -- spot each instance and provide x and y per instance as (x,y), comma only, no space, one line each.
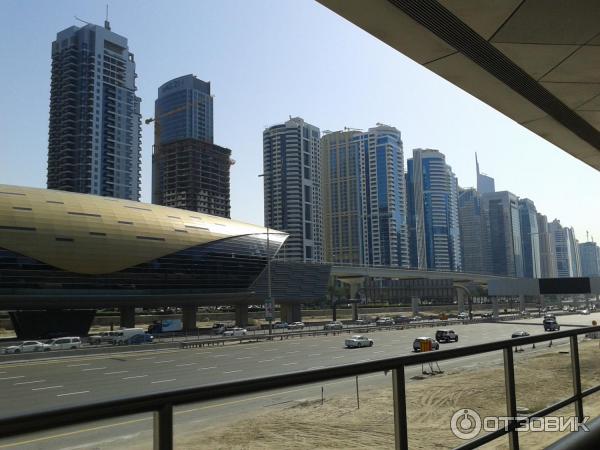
(280,325)
(219,328)
(124,334)
(384,321)
(296,326)
(487,315)
(25,347)
(549,317)
(140,339)
(358,341)
(463,316)
(102,337)
(585,312)
(336,325)
(235,332)
(424,339)
(446,336)
(520,333)
(361,322)
(64,343)
(551,325)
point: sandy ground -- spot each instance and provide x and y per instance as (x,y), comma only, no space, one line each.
(338,424)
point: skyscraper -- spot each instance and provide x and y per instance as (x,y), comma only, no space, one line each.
(365,198)
(434,194)
(547,249)
(530,239)
(188,170)
(485,184)
(567,250)
(94,143)
(184,110)
(501,212)
(292,188)
(590,259)
(472,230)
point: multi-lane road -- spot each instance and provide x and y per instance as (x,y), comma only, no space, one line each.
(34,385)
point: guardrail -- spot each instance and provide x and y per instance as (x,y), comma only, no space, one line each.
(162,404)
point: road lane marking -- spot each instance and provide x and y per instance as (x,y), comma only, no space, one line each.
(147,357)
(315,354)
(295,351)
(207,368)
(135,376)
(338,357)
(233,371)
(164,381)
(47,387)
(184,365)
(12,378)
(72,393)
(289,364)
(316,367)
(244,357)
(29,382)
(270,350)
(93,368)
(164,362)
(78,365)
(114,373)
(380,351)
(218,356)
(175,413)
(266,360)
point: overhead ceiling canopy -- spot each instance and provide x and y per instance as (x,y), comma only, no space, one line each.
(536,61)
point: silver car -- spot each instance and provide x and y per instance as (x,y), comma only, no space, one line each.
(25,347)
(358,341)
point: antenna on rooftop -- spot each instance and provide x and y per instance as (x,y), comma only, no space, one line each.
(106,22)
(81,20)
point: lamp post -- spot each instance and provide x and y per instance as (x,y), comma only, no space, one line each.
(269,300)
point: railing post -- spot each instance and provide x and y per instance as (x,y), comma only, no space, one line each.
(511,395)
(576,375)
(163,428)
(400,416)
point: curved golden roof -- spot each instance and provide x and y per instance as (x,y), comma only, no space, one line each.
(89,234)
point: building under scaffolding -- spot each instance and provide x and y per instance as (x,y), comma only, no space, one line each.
(192,174)
(402,291)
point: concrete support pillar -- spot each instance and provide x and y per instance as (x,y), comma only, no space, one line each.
(461,296)
(354,311)
(188,317)
(290,312)
(127,316)
(521,302)
(354,287)
(415,305)
(241,315)
(495,311)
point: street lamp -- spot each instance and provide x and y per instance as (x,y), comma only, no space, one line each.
(269,299)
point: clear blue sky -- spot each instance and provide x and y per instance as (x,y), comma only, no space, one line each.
(267,59)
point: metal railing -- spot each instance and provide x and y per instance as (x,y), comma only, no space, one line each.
(162,404)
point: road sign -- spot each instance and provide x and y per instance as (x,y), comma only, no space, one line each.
(269,309)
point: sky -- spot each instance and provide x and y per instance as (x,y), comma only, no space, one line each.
(268,60)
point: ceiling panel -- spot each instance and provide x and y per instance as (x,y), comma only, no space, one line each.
(573,94)
(552,22)
(483,16)
(582,67)
(536,59)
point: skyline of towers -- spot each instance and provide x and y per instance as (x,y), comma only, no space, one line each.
(94,138)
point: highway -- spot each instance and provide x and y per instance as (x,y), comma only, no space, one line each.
(28,386)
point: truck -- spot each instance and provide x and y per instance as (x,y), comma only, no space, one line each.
(165,326)
(123,336)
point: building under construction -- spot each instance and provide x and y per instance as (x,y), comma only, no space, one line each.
(188,170)
(192,174)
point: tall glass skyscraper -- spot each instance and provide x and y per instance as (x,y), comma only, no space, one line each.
(188,170)
(473,238)
(433,200)
(547,248)
(530,239)
(501,212)
(485,183)
(590,259)
(365,197)
(94,143)
(184,110)
(292,188)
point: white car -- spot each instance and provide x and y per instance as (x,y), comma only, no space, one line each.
(235,332)
(358,341)
(64,343)
(25,347)
(296,326)
(463,316)
(385,321)
(337,325)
